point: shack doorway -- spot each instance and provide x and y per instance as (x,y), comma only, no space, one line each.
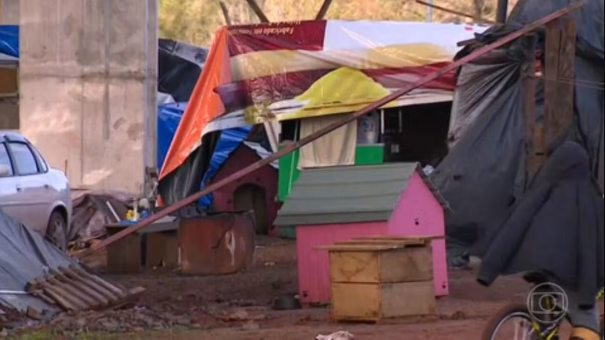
(250,197)
(417,133)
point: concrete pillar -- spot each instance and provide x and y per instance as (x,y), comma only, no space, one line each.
(9,12)
(88,88)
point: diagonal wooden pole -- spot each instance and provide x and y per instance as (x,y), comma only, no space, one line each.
(458,13)
(321,15)
(226,14)
(258,11)
(318,134)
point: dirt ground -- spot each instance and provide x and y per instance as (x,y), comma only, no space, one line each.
(238,307)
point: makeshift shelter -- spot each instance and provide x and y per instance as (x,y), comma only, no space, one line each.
(24,256)
(179,68)
(485,171)
(337,204)
(255,192)
(291,71)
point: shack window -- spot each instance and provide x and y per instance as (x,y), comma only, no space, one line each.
(417,133)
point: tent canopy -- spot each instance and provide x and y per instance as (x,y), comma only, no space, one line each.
(282,71)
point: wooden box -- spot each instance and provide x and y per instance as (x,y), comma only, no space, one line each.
(373,279)
(154,246)
(360,263)
(373,302)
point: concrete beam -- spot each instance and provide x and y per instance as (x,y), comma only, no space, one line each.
(88,86)
(9,12)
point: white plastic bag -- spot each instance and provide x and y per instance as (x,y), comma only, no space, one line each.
(342,335)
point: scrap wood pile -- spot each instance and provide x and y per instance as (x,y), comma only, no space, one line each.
(92,210)
(73,289)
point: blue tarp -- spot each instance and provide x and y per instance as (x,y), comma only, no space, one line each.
(9,41)
(169,117)
(228,142)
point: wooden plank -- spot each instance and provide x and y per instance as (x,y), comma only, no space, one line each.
(124,257)
(411,240)
(98,298)
(63,298)
(381,242)
(407,265)
(533,160)
(559,74)
(408,299)
(40,295)
(403,265)
(377,302)
(361,267)
(361,247)
(133,295)
(163,248)
(111,298)
(332,127)
(84,299)
(115,290)
(356,302)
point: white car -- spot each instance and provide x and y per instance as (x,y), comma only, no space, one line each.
(31,192)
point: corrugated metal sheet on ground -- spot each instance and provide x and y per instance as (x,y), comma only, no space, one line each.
(350,194)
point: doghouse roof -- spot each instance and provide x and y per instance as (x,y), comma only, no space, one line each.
(349,194)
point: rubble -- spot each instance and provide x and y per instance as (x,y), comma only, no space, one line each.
(135,320)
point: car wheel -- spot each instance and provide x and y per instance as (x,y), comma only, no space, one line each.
(56,232)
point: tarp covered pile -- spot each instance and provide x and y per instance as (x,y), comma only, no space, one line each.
(485,173)
(24,256)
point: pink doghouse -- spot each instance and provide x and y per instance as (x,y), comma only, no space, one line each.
(329,205)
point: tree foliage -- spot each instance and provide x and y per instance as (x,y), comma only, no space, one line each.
(196,21)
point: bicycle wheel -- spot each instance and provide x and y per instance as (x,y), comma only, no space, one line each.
(513,322)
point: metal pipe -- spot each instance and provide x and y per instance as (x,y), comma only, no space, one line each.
(13,292)
(429,11)
(325,130)
(502,11)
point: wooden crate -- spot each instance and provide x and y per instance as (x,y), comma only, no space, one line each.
(376,279)
(373,302)
(359,263)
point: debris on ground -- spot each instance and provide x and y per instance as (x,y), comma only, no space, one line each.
(73,289)
(135,320)
(92,210)
(342,335)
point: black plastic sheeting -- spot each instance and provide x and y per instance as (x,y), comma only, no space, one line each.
(24,256)
(179,68)
(186,179)
(484,173)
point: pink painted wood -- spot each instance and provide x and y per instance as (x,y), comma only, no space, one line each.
(314,266)
(418,213)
